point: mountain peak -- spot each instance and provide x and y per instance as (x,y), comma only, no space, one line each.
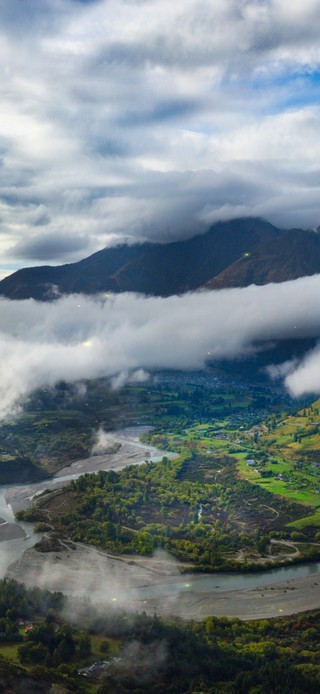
(231,253)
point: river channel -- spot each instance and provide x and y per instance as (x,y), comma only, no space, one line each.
(171,585)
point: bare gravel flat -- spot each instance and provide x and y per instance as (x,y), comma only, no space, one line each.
(126,582)
(297,595)
(11,531)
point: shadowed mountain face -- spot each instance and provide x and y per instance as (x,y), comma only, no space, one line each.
(296,253)
(234,253)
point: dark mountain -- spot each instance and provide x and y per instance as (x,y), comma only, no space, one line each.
(296,253)
(230,254)
(155,269)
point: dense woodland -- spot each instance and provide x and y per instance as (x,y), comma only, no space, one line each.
(158,505)
(136,653)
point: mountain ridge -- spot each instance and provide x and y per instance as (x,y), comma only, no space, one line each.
(233,253)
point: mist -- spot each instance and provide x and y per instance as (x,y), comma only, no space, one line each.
(96,577)
(125,336)
(103,442)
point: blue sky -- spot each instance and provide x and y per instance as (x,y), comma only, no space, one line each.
(148,119)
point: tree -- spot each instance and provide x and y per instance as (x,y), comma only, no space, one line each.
(32,653)
(105,647)
(84,645)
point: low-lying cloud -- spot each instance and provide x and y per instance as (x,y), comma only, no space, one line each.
(106,581)
(80,337)
(305,377)
(103,442)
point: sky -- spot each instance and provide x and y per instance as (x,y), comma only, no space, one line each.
(152,119)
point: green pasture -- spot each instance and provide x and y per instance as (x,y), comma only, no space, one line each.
(313,521)
(280,448)
(299,488)
(280,453)
(10,651)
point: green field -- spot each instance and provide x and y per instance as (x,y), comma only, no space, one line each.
(287,459)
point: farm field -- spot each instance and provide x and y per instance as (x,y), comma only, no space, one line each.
(287,459)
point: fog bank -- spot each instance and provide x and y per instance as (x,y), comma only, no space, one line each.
(124,336)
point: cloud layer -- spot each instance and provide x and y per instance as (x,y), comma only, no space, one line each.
(78,337)
(151,119)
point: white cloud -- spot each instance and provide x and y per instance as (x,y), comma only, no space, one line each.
(306,377)
(78,337)
(124,377)
(103,442)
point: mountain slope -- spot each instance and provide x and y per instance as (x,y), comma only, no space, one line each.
(156,269)
(294,254)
